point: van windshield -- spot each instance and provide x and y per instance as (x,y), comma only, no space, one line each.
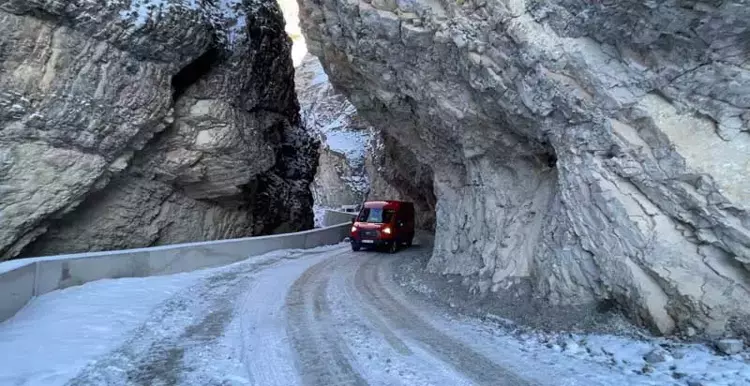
(376,215)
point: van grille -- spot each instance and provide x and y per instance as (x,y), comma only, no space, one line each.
(368,234)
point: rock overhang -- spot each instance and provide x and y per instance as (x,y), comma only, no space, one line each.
(556,132)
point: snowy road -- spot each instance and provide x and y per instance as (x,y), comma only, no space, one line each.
(320,317)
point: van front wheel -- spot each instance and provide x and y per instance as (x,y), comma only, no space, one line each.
(356,247)
(393,247)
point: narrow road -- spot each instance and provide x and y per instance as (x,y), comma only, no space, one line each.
(313,318)
(326,316)
(342,313)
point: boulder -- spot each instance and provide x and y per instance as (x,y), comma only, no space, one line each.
(730,346)
(656,355)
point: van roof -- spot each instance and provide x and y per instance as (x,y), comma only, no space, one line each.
(381,204)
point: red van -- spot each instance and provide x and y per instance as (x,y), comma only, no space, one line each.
(383,223)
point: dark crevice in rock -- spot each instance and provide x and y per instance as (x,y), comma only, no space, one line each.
(551,160)
(395,172)
(42,14)
(194,71)
(270,42)
(297,161)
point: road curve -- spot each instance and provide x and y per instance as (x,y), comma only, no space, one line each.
(345,322)
(322,317)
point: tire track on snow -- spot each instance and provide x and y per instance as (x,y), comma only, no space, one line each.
(320,359)
(463,358)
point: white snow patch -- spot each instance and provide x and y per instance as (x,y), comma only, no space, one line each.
(320,214)
(589,359)
(320,78)
(605,359)
(142,11)
(321,249)
(390,361)
(56,335)
(226,16)
(329,114)
(349,143)
(358,183)
(232,11)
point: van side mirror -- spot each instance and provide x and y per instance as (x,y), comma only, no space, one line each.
(353,219)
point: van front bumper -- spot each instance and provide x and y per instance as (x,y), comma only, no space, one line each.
(370,242)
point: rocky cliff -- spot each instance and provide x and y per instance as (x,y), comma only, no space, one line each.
(598,149)
(135,123)
(356,161)
(395,173)
(341,178)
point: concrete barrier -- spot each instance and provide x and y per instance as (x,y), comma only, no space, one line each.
(20,280)
(335,217)
(16,288)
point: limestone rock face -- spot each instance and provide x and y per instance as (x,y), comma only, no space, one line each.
(395,173)
(356,161)
(341,178)
(337,183)
(597,148)
(117,131)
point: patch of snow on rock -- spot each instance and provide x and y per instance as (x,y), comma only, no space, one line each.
(349,143)
(228,17)
(650,361)
(330,114)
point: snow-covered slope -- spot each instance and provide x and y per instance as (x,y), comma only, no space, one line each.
(329,113)
(344,137)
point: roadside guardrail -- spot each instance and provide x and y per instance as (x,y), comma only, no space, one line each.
(23,279)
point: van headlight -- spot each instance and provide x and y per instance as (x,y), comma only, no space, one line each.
(387,231)
(354,229)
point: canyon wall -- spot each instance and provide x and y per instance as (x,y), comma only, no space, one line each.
(343,136)
(135,123)
(357,161)
(395,173)
(598,149)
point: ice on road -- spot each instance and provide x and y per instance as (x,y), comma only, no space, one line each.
(325,316)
